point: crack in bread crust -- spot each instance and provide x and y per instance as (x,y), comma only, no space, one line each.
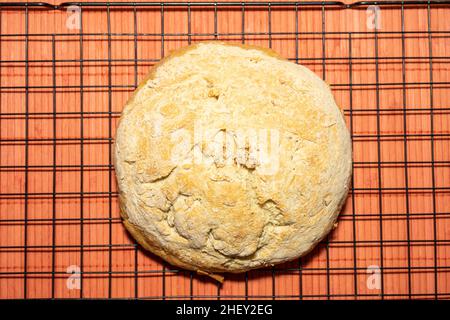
(231,216)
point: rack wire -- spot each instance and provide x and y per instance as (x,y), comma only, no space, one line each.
(62,91)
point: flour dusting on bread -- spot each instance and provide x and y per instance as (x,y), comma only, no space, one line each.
(263,179)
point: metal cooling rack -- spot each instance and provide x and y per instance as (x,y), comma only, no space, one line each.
(19,272)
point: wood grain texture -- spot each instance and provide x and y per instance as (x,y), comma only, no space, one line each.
(64,93)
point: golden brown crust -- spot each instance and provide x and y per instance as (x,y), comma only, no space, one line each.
(150,242)
(183,50)
(134,230)
(146,243)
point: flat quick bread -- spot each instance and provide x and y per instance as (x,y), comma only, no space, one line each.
(230,158)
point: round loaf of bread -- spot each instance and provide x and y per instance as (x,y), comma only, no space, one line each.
(230,158)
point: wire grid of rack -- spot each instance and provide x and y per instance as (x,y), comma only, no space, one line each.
(62,90)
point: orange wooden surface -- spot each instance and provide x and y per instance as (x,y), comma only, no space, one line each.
(379,218)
